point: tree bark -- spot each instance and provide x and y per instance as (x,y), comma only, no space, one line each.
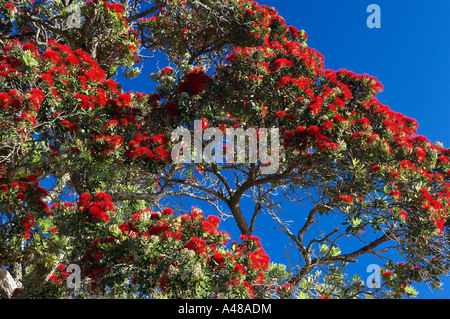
(7,284)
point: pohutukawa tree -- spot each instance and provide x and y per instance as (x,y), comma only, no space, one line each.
(87,177)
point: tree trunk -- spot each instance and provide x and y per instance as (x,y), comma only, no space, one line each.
(7,284)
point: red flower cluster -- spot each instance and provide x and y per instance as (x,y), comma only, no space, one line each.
(404,215)
(200,235)
(219,259)
(107,143)
(197,245)
(282,63)
(434,207)
(356,79)
(27,223)
(257,257)
(346,198)
(249,258)
(97,206)
(52,56)
(239,269)
(35,98)
(93,267)
(395,194)
(172,109)
(117,7)
(57,278)
(27,196)
(195,83)
(167,70)
(302,82)
(70,126)
(154,148)
(302,138)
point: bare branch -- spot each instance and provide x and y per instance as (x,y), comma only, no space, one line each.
(137,16)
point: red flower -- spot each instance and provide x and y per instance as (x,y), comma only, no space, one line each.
(218,258)
(346,198)
(72,59)
(85,197)
(280,114)
(21,196)
(420,155)
(103,197)
(387,273)
(30,218)
(314,108)
(167,70)
(443,159)
(195,244)
(155,230)
(36,98)
(117,7)
(239,269)
(313,130)
(111,124)
(47,78)
(404,215)
(250,289)
(30,47)
(96,207)
(213,220)
(25,223)
(375,168)
(97,214)
(364,122)
(167,211)
(293,31)
(4,99)
(125,98)
(26,234)
(70,126)
(338,118)
(395,194)
(439,223)
(195,83)
(172,109)
(155,216)
(328,124)
(111,84)
(52,56)
(285,80)
(281,63)
(53,278)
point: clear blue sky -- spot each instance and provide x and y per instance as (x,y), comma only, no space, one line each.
(409,54)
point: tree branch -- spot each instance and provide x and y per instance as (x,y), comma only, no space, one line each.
(309,266)
(158,5)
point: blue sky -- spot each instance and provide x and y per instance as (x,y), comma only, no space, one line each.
(409,54)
